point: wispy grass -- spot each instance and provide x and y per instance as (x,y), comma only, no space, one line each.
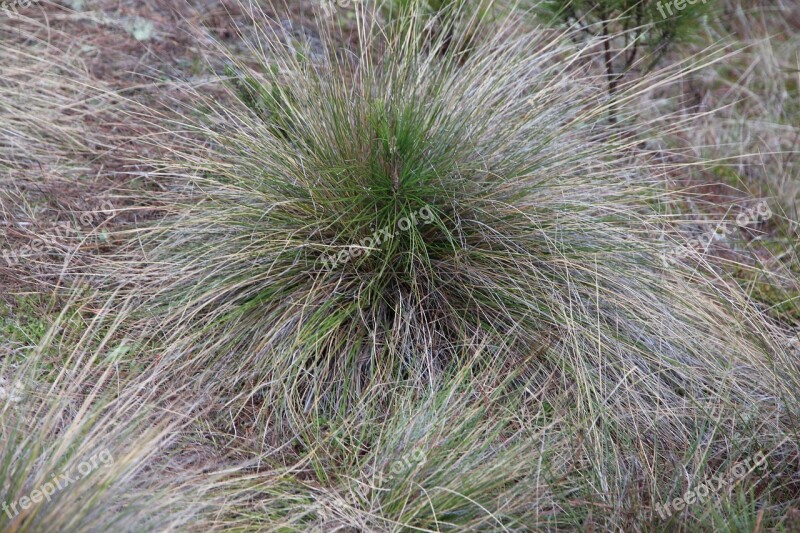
(85,443)
(542,241)
(527,358)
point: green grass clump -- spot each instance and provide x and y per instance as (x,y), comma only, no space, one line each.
(532,244)
(531,252)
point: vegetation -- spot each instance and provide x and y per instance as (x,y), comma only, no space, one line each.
(634,34)
(396,275)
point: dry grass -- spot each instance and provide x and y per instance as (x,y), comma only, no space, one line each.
(96,427)
(525,362)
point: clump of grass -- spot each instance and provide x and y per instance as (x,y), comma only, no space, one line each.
(84,445)
(539,239)
(444,458)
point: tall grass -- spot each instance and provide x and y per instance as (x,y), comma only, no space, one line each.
(521,349)
(87,440)
(541,241)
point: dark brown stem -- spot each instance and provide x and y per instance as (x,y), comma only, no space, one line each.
(610,75)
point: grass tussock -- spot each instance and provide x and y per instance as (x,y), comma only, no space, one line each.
(409,280)
(539,239)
